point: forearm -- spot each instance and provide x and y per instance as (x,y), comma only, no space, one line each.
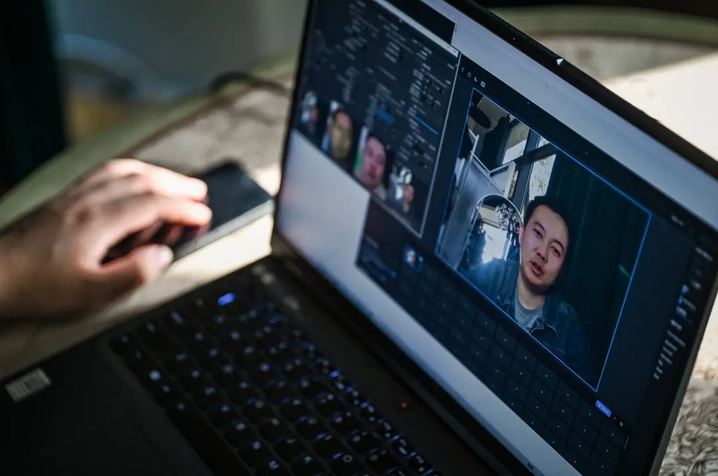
(9,278)
(5,290)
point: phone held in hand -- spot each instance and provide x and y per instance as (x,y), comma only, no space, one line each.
(235,200)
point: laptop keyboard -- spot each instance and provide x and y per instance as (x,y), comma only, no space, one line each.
(254,395)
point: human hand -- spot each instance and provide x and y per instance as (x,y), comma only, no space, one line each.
(53,261)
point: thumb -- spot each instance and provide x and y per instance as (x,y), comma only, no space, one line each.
(142,265)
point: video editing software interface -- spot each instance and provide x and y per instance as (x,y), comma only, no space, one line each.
(561,280)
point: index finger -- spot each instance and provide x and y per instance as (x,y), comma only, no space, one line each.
(159,179)
(135,213)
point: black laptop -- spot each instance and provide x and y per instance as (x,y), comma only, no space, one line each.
(483,262)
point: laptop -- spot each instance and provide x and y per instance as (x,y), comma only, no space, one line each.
(483,262)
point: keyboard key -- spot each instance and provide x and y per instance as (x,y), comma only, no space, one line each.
(242,392)
(369,413)
(525,358)
(308,465)
(279,352)
(199,341)
(562,409)
(180,410)
(272,467)
(262,373)
(591,414)
(580,447)
(505,340)
(536,423)
(233,339)
(516,389)
(214,358)
(179,360)
(279,390)
(296,369)
(584,430)
(310,427)
(345,464)
(613,434)
(257,409)
(239,433)
(546,376)
(138,359)
(485,323)
(294,409)
(364,441)
(328,403)
(289,448)
(521,373)
(311,388)
(575,460)
(607,450)
(384,429)
(192,379)
(354,397)
(345,422)
(541,391)
(249,354)
(166,392)
(154,336)
(273,429)
(207,397)
(328,445)
(219,324)
(567,395)
(539,408)
(228,374)
(402,448)
(382,462)
(400,472)
(254,453)
(557,432)
(601,465)
(419,464)
(223,415)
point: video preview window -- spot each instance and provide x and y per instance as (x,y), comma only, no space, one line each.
(549,242)
(367,149)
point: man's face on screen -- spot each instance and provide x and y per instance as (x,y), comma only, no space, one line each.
(341,135)
(544,243)
(373,162)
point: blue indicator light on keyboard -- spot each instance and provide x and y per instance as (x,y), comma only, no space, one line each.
(225,299)
(603,408)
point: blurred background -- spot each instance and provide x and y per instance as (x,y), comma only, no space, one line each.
(69,69)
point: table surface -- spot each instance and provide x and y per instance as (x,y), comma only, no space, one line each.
(247,125)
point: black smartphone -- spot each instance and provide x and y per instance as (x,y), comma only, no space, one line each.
(235,200)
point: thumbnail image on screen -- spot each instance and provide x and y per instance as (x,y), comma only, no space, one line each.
(548,241)
(378,171)
(368,154)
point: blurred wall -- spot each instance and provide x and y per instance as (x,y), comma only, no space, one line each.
(171,46)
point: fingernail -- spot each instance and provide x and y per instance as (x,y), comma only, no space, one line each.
(162,256)
(199,186)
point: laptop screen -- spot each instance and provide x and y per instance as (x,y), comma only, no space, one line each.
(542,259)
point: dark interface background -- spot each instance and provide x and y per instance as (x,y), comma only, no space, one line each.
(453,159)
(370,79)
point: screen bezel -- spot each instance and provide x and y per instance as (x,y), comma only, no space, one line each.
(459,419)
